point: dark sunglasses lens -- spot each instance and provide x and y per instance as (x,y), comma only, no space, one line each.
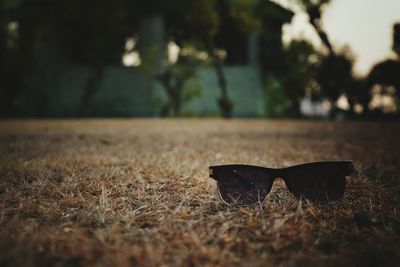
(243,186)
(323,187)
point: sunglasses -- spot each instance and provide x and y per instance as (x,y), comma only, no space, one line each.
(319,181)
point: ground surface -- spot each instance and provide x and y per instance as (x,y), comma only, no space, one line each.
(136,193)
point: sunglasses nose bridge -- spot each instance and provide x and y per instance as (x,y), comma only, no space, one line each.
(276,173)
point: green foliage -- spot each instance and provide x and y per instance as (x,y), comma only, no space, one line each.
(276,104)
(149,60)
(335,75)
(12,68)
(286,88)
(175,81)
(301,68)
(91,31)
(195,21)
(358,93)
(243,13)
(302,61)
(190,92)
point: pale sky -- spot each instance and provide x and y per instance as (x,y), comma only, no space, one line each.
(365,25)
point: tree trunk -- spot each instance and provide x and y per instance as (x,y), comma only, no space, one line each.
(225,105)
(322,35)
(295,110)
(92,87)
(174,93)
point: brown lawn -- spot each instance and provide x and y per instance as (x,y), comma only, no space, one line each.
(137,193)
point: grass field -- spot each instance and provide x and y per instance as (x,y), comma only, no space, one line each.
(137,193)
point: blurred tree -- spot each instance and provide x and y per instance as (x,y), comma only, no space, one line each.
(359,95)
(190,21)
(55,34)
(302,64)
(91,32)
(396,39)
(202,21)
(238,19)
(335,75)
(209,25)
(179,21)
(245,16)
(174,79)
(7,94)
(277,69)
(14,59)
(272,52)
(387,73)
(314,9)
(92,35)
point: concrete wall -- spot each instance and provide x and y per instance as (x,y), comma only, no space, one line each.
(128,92)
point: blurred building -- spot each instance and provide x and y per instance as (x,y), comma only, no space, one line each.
(56,88)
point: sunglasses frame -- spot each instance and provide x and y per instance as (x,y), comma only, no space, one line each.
(341,168)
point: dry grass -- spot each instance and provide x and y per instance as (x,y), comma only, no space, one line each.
(136,193)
